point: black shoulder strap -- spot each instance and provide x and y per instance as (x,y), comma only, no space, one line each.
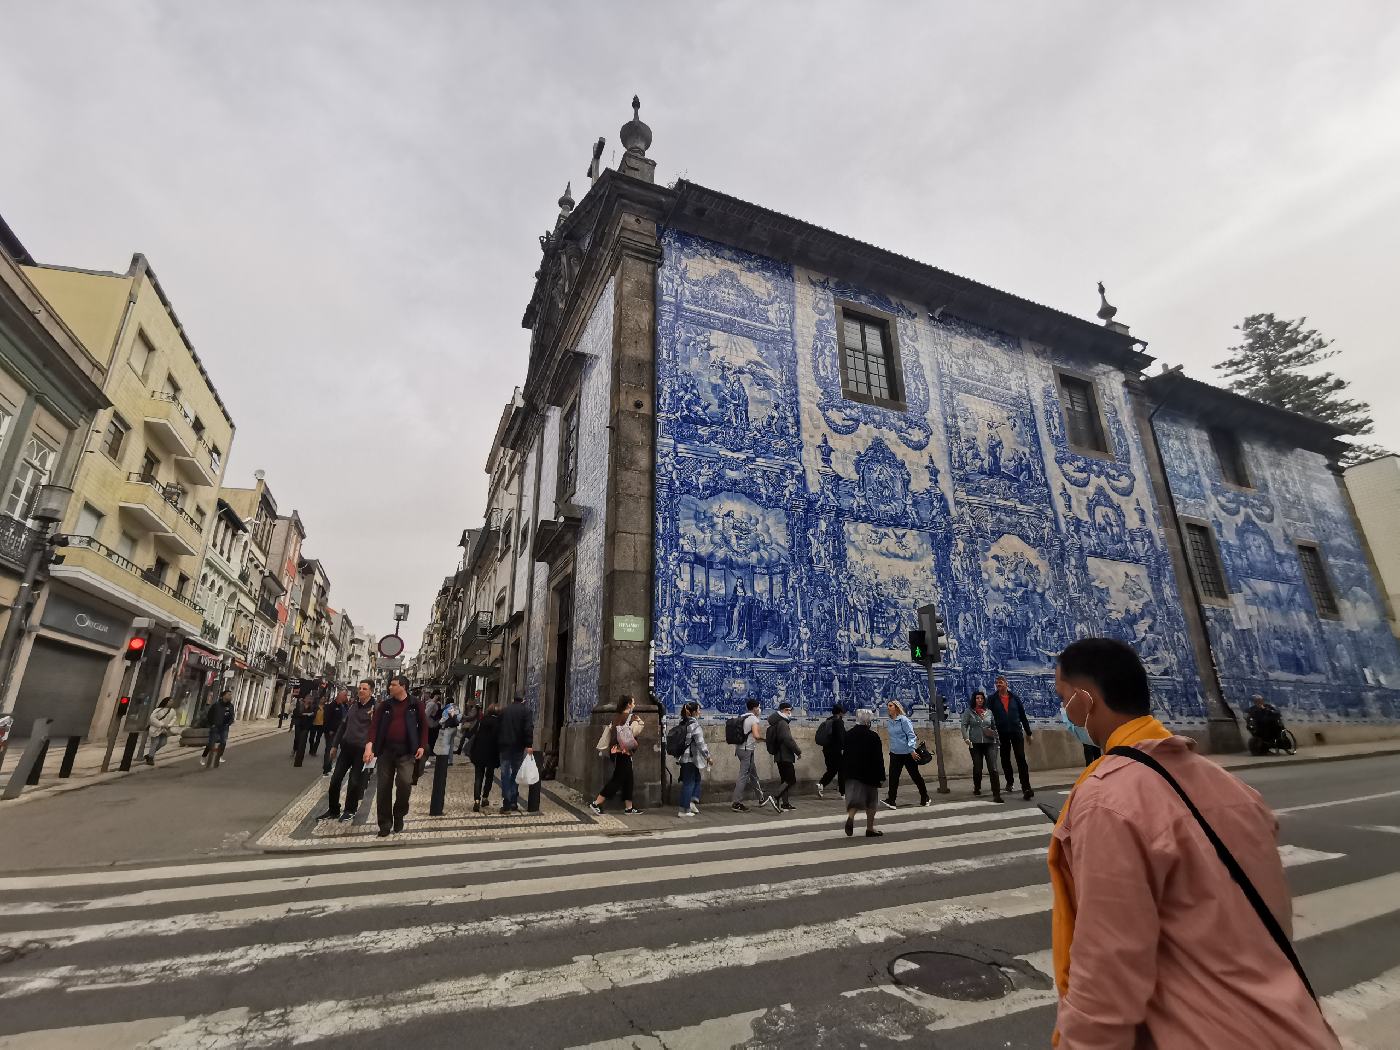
(1231,865)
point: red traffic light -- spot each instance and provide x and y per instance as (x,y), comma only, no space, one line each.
(123,704)
(135,647)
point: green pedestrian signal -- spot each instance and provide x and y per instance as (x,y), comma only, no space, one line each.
(918,647)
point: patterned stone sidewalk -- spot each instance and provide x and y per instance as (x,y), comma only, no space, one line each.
(562,812)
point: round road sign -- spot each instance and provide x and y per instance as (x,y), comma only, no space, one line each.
(390,646)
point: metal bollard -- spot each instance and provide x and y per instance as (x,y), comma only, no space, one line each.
(129,751)
(532,798)
(70,753)
(32,761)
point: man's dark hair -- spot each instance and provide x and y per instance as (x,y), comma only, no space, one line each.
(837,709)
(365,681)
(402,679)
(753,704)
(785,706)
(1114,668)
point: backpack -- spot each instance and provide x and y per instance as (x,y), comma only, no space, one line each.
(772,742)
(734,729)
(824,733)
(678,739)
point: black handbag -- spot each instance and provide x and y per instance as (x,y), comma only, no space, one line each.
(1231,865)
(921,754)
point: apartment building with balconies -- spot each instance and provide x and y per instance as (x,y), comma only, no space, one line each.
(145,495)
(255,682)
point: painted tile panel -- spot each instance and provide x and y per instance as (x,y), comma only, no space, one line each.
(1271,639)
(797,531)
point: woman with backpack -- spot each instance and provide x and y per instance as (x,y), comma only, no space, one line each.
(979,732)
(694,757)
(622,744)
(485,754)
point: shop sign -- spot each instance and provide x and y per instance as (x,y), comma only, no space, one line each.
(93,623)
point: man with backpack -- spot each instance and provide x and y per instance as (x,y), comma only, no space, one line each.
(785,752)
(744,732)
(831,738)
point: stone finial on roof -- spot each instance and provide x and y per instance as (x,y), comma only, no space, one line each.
(636,136)
(566,202)
(1107,313)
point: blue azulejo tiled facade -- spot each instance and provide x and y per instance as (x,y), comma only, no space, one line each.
(1267,634)
(797,531)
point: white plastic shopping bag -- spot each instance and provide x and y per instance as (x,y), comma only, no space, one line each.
(529,773)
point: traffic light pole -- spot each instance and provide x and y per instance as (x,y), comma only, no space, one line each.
(932,626)
(118,711)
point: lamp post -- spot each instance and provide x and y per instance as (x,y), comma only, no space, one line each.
(50,505)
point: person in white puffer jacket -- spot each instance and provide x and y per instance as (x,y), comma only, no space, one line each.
(159,725)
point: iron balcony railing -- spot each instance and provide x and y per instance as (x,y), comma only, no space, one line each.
(173,399)
(120,562)
(169,493)
(16,540)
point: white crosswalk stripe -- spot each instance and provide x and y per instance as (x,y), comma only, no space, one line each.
(488,928)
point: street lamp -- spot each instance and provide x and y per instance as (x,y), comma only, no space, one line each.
(50,505)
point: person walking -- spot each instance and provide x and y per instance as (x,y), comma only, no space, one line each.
(318,722)
(1171,919)
(693,761)
(979,733)
(744,751)
(471,718)
(448,721)
(863,765)
(395,745)
(622,745)
(831,738)
(485,754)
(785,752)
(219,718)
(302,714)
(351,737)
(515,741)
(1012,723)
(434,709)
(335,715)
(903,741)
(158,725)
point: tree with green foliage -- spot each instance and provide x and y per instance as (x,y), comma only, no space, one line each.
(1275,362)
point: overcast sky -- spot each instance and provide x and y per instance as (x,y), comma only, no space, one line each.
(343,199)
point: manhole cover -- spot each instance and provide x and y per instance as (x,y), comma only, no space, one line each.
(950,976)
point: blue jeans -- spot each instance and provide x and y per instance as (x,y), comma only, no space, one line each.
(218,737)
(510,765)
(690,784)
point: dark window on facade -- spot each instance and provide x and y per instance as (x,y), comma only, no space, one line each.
(568,452)
(1082,424)
(1230,456)
(1319,585)
(150,467)
(115,437)
(158,570)
(868,369)
(1205,563)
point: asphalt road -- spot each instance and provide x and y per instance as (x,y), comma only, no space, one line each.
(753,930)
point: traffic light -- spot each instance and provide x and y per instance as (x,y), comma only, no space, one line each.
(938,643)
(918,647)
(54,542)
(122,706)
(135,648)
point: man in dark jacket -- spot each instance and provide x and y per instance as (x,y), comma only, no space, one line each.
(784,750)
(832,744)
(863,763)
(335,715)
(351,736)
(1011,724)
(219,718)
(515,740)
(397,741)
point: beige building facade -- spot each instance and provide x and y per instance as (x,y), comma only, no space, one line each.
(1374,488)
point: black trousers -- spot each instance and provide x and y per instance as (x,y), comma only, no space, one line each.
(833,771)
(326,759)
(395,786)
(298,741)
(898,763)
(1015,743)
(620,783)
(351,761)
(984,753)
(787,773)
(314,737)
(481,782)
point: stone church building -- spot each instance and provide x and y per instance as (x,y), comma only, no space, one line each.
(749,448)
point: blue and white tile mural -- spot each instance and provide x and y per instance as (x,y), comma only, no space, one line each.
(1269,639)
(797,532)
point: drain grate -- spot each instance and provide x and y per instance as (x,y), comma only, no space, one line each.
(950,976)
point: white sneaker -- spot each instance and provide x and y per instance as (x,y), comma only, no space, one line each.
(888,805)
(695,809)
(820,789)
(685,813)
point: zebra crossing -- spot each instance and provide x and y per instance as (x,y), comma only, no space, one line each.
(769,932)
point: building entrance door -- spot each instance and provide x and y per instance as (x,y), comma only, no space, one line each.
(563,624)
(61,682)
